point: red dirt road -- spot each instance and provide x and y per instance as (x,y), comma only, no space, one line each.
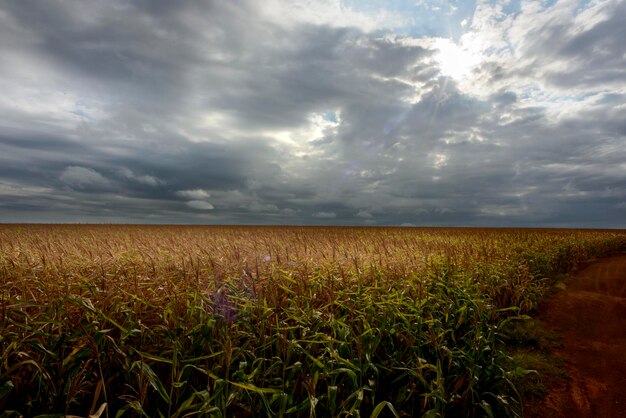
(590,315)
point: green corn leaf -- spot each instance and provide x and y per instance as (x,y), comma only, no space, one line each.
(6,388)
(382,405)
(153,379)
(253,388)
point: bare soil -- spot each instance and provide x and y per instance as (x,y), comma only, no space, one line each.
(590,316)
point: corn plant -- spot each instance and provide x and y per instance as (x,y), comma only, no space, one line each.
(184,321)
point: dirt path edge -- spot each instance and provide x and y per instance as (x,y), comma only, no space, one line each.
(590,317)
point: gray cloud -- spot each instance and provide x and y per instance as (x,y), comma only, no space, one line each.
(194,194)
(325,215)
(200,204)
(224,112)
(141,179)
(82,177)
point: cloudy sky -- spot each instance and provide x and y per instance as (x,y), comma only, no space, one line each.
(424,112)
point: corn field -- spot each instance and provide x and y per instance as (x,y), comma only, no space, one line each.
(216,321)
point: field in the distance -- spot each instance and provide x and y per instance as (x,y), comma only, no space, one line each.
(271,321)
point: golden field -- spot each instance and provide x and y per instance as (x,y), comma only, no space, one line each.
(129,320)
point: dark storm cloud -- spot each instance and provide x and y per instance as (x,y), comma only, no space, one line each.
(225,112)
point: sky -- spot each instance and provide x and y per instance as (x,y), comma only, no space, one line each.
(328,112)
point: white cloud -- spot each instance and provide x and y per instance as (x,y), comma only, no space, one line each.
(198,198)
(332,13)
(7,189)
(141,179)
(196,194)
(546,50)
(81,177)
(200,204)
(439,160)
